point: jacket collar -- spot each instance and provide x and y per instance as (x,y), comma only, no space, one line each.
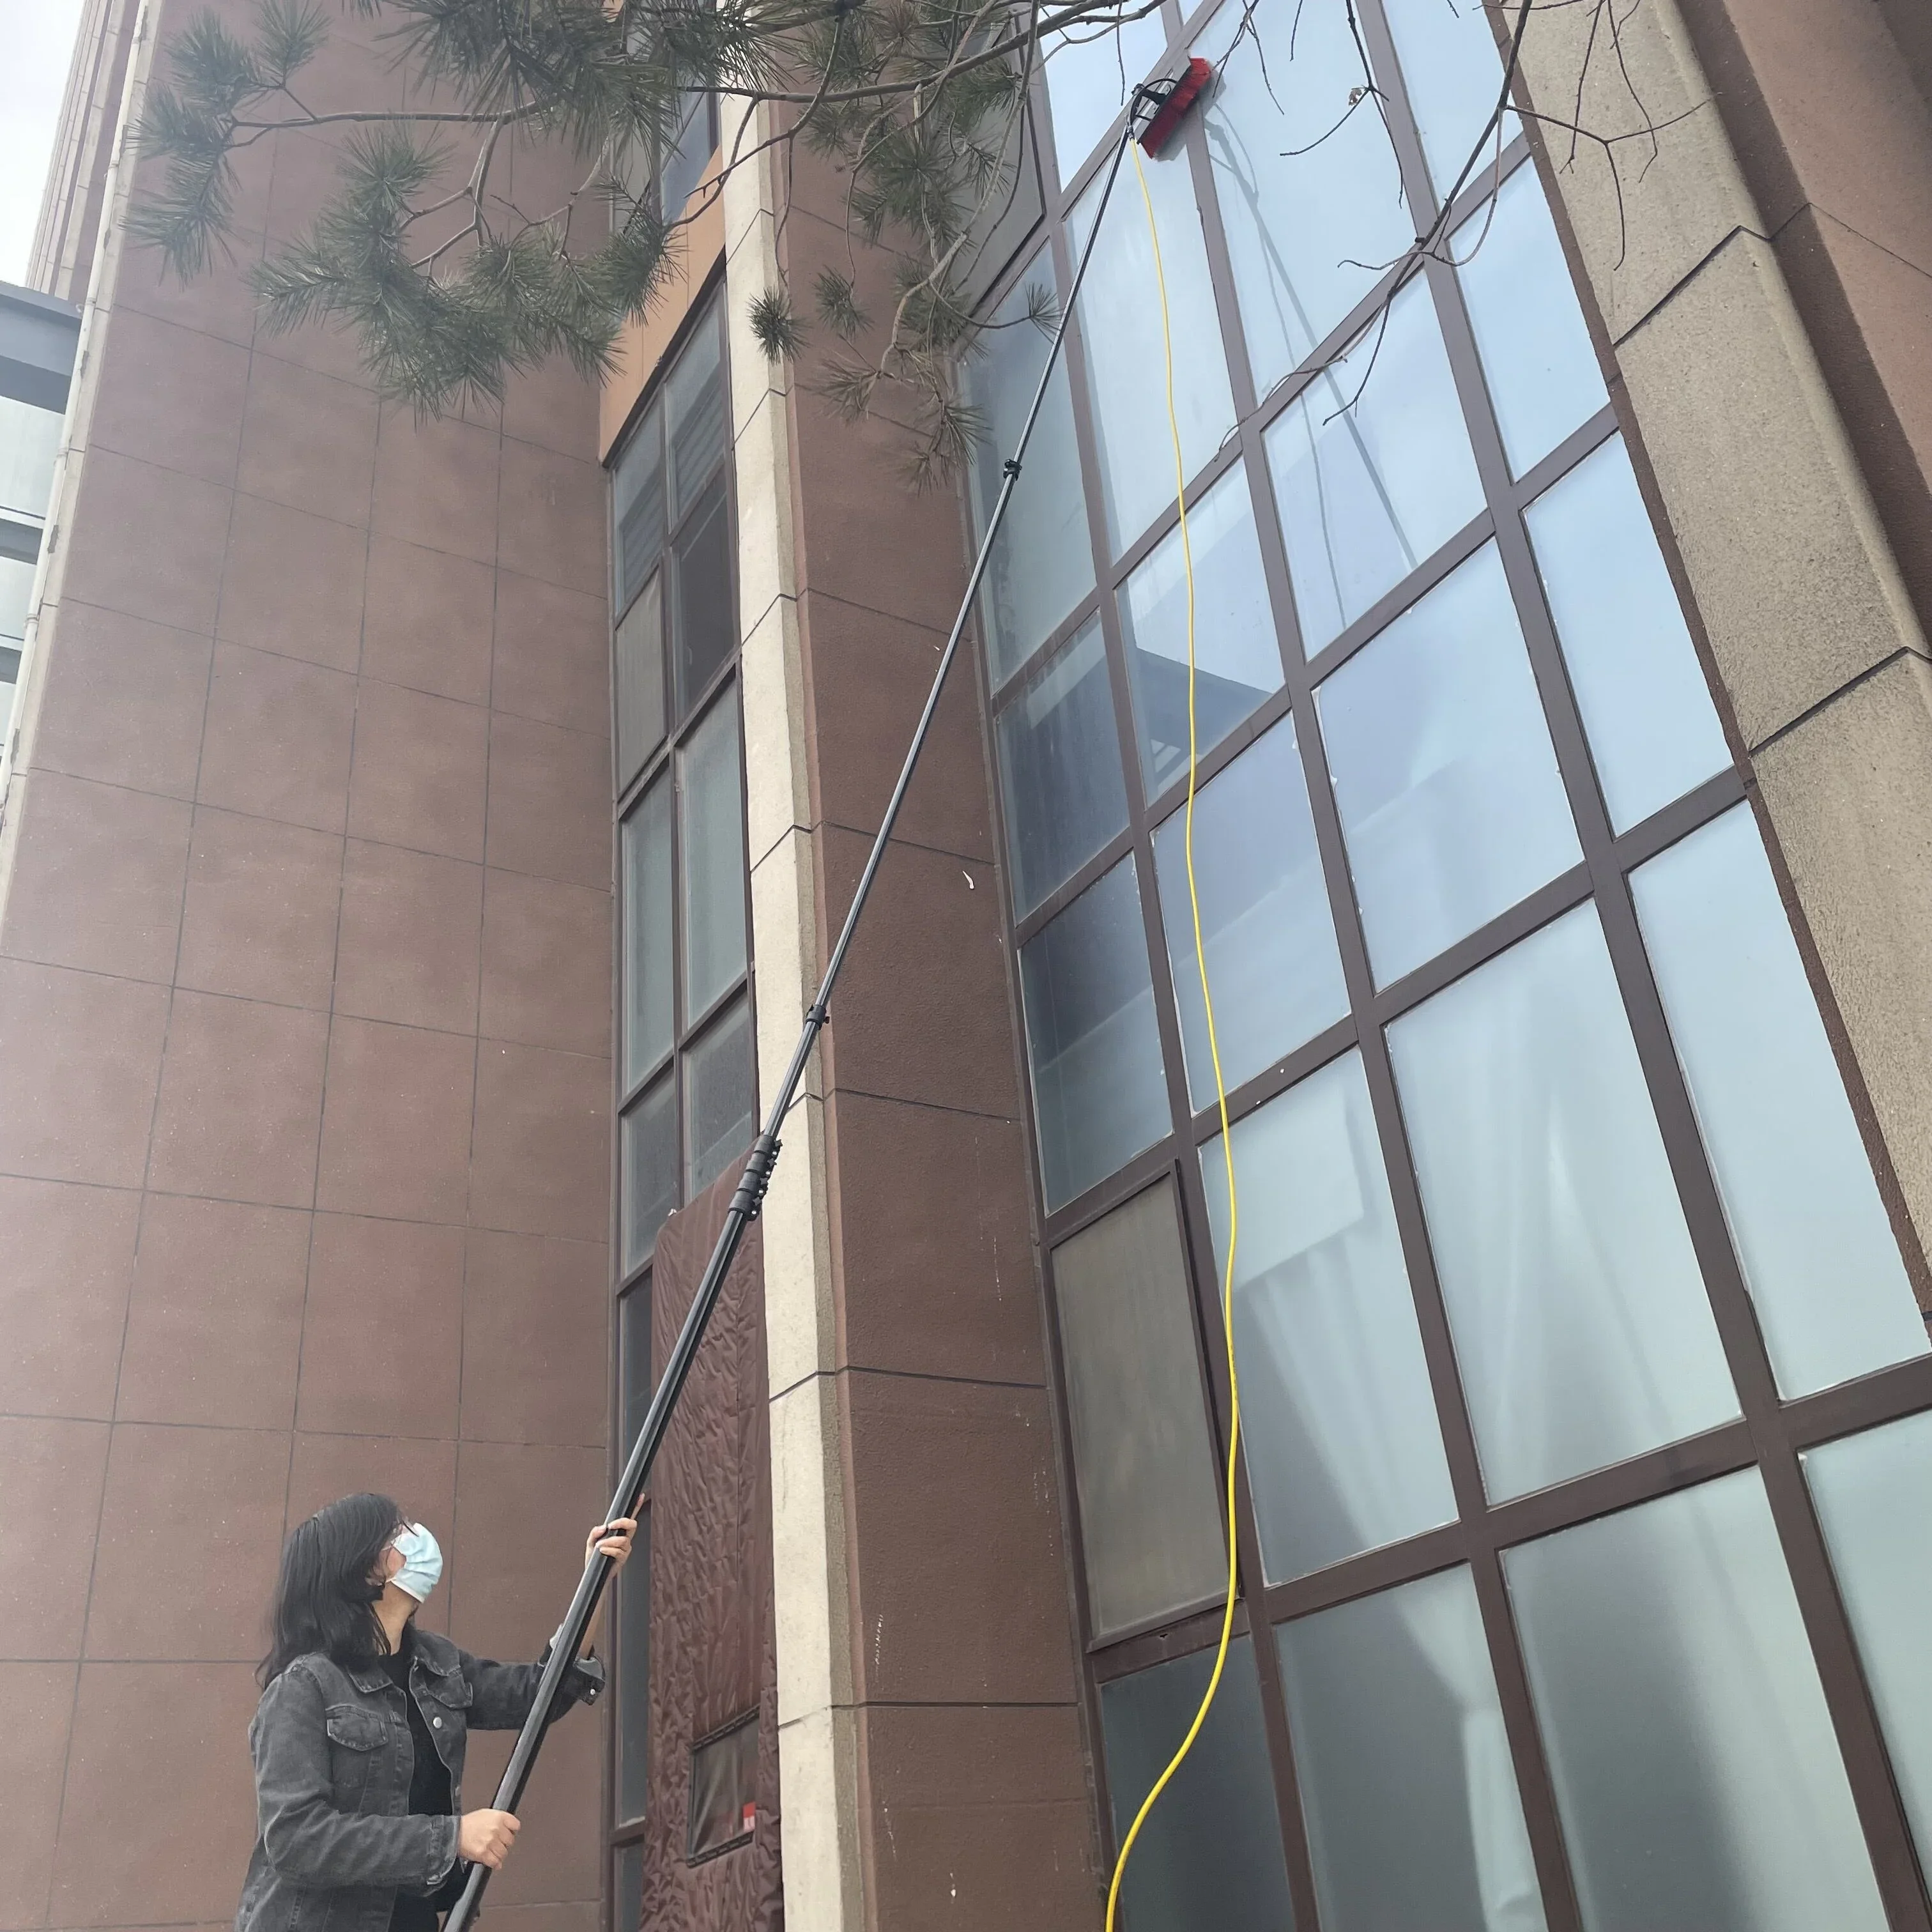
(433,1651)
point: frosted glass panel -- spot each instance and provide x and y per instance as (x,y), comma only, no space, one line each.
(1373,468)
(1042,562)
(1209,1857)
(712,824)
(1343,1451)
(1454,76)
(1119,330)
(1265,926)
(1090,72)
(1647,711)
(1832,1296)
(1143,1464)
(1304,229)
(1695,1764)
(647,1154)
(1444,776)
(1414,1819)
(1874,1498)
(1237,659)
(718,1092)
(648,932)
(1582,1328)
(1060,770)
(1099,1092)
(1543,373)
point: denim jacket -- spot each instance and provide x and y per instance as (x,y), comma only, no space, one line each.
(335,1841)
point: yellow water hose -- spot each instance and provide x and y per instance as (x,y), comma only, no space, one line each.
(1220,1090)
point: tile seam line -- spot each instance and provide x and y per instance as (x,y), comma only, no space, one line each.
(1819,211)
(1900,654)
(1691,274)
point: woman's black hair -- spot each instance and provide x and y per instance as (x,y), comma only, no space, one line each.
(324,1599)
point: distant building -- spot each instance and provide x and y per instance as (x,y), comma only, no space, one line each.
(422,839)
(38,334)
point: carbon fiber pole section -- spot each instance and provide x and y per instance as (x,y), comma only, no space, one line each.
(749,1196)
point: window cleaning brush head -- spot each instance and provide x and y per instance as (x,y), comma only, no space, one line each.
(1174,97)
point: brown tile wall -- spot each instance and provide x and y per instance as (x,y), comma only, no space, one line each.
(304,1010)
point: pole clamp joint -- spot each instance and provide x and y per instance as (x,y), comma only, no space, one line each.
(1011,467)
(749,1197)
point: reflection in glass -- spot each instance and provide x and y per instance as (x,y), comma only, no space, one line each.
(633,1679)
(1099,1092)
(1337,1418)
(1454,78)
(712,830)
(1695,1769)
(719,1097)
(635,1387)
(638,506)
(1543,373)
(647,1157)
(1874,1498)
(1444,776)
(1407,1783)
(1090,72)
(1144,1466)
(1060,770)
(640,696)
(1265,925)
(29,444)
(695,406)
(724,1802)
(1210,1853)
(1120,331)
(628,1909)
(1582,1328)
(1042,562)
(706,632)
(1653,731)
(1817,1248)
(17,596)
(648,932)
(1373,468)
(1238,662)
(1308,211)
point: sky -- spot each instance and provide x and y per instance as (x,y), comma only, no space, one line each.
(36,43)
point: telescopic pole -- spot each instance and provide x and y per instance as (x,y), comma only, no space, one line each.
(749,1195)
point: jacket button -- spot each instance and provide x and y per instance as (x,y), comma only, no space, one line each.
(436,1723)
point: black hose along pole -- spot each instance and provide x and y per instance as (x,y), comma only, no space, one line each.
(749,1195)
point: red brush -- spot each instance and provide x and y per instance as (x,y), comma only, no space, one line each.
(1180,97)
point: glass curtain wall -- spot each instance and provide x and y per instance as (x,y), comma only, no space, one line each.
(1571,1322)
(685,1074)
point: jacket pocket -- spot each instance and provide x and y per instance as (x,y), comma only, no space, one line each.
(355,1739)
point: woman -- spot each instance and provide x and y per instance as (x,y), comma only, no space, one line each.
(358,1740)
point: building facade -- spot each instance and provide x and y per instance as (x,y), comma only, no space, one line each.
(421,842)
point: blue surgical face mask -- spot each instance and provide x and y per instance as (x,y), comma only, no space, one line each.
(422,1563)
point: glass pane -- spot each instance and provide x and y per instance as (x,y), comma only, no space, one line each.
(1407,1781)
(628,1907)
(637,506)
(1582,1329)
(1309,212)
(649,933)
(16,593)
(1119,329)
(1543,376)
(1237,661)
(1817,1245)
(694,405)
(1695,1766)
(713,848)
(724,1788)
(719,1094)
(1373,469)
(1042,563)
(1090,72)
(1210,1853)
(1143,1464)
(1454,76)
(706,632)
(634,1385)
(29,442)
(640,695)
(1874,1498)
(647,1140)
(1265,926)
(1060,770)
(633,1679)
(1444,776)
(678,178)
(1653,729)
(1099,1092)
(1338,1423)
